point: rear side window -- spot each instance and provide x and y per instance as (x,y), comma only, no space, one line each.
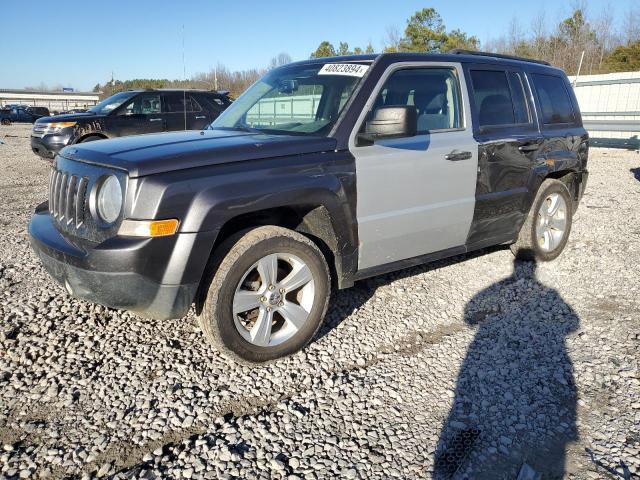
(554,99)
(178,102)
(520,108)
(492,97)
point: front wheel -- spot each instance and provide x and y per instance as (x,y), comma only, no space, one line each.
(91,138)
(546,229)
(268,296)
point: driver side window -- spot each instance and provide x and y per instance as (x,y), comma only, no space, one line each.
(433,91)
(145,104)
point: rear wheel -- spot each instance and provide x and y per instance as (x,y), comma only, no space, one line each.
(546,229)
(268,296)
(6,121)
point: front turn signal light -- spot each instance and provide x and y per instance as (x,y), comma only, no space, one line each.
(148,228)
(61,125)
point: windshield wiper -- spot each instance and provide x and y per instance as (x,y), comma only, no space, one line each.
(246,128)
(242,128)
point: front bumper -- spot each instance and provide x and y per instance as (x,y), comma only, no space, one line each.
(124,273)
(48,146)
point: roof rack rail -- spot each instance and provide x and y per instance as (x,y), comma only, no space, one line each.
(460,51)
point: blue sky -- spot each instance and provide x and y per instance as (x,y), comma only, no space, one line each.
(78,43)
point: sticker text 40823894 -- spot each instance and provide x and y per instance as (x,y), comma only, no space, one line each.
(350,69)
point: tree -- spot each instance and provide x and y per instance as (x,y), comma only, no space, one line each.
(343,49)
(369,48)
(325,49)
(392,40)
(624,59)
(564,43)
(459,39)
(631,27)
(425,32)
(357,51)
(281,59)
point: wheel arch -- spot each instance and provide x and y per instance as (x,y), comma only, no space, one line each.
(313,220)
(84,136)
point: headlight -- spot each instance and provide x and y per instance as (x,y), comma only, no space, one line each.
(109,199)
(54,127)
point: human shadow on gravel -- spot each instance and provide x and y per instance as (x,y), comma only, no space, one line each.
(515,398)
(636,173)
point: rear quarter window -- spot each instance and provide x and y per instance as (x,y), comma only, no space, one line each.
(555,103)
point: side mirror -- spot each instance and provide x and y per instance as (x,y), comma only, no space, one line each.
(390,122)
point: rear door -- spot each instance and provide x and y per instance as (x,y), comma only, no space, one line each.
(183,112)
(213,104)
(416,195)
(562,129)
(509,140)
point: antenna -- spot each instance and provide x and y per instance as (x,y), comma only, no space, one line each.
(575,82)
(184,80)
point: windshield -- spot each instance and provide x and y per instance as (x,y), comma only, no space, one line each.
(111,103)
(296,99)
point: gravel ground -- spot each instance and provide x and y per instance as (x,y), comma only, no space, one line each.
(540,363)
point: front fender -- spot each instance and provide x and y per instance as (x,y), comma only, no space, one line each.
(204,199)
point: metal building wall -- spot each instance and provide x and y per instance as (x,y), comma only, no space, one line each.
(610,106)
(52,100)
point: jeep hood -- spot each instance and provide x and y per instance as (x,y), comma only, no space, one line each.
(163,152)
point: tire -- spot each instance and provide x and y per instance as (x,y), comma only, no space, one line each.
(542,236)
(6,121)
(241,271)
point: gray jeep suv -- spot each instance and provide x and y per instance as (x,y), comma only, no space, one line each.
(324,172)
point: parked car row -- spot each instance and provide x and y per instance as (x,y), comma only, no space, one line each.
(401,159)
(133,112)
(21,113)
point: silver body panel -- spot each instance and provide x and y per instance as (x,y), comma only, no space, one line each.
(411,200)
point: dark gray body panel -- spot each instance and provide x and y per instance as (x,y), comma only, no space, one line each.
(165,152)
(509,178)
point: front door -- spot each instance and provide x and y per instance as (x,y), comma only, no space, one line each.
(142,114)
(416,195)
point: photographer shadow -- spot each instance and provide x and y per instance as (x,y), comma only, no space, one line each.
(515,398)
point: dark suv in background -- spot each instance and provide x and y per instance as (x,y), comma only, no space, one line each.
(132,112)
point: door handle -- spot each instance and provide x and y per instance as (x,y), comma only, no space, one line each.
(155,119)
(529,147)
(200,117)
(456,155)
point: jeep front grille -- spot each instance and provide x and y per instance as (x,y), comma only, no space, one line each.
(67,198)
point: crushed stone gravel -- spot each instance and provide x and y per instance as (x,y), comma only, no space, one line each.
(541,359)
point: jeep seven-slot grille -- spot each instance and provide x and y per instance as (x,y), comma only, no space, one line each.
(67,195)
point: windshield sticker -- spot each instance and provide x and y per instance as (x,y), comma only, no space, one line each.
(349,69)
